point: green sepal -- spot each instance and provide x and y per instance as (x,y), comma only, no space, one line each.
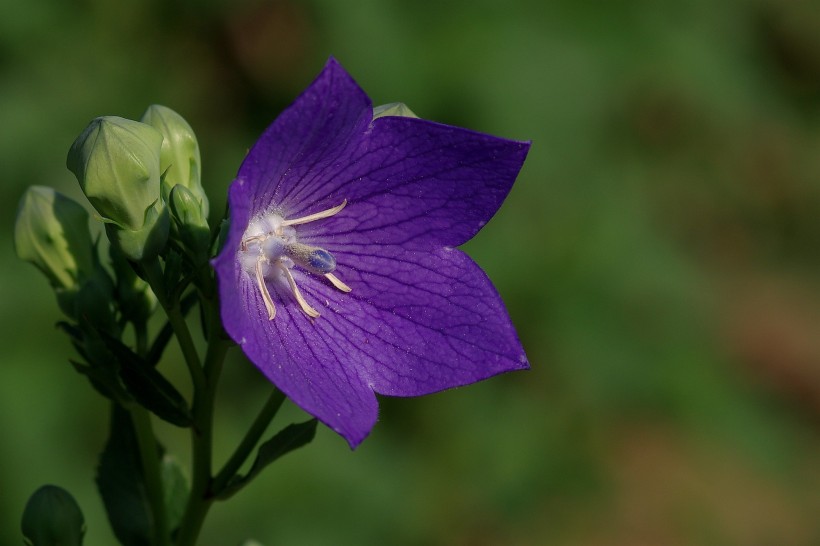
(148,386)
(145,243)
(52,517)
(288,439)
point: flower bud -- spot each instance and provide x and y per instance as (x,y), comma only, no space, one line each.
(191,232)
(398,109)
(179,158)
(52,518)
(117,163)
(51,232)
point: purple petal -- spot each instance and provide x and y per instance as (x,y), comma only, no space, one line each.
(418,183)
(308,141)
(413,325)
(304,365)
(394,172)
(416,323)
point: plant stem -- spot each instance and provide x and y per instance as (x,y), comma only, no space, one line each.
(149,456)
(141,334)
(255,432)
(201,497)
(153,273)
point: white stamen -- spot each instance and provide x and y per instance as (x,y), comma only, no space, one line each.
(260,281)
(334,280)
(316,216)
(270,245)
(309,311)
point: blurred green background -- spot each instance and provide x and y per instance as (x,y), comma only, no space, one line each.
(659,256)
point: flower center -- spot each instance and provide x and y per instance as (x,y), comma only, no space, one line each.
(270,249)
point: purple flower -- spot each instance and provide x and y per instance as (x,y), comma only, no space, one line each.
(340,278)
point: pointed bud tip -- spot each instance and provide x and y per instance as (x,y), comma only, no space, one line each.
(180,158)
(117,163)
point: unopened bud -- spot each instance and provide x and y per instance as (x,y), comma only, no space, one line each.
(117,163)
(179,158)
(51,232)
(397,109)
(190,223)
(52,518)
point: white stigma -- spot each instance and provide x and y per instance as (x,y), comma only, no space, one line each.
(270,249)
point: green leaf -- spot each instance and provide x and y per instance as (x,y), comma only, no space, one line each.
(105,381)
(288,439)
(148,386)
(121,484)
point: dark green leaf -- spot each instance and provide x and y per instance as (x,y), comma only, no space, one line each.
(288,439)
(121,483)
(104,380)
(73,332)
(148,386)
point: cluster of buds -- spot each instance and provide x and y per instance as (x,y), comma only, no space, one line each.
(143,180)
(151,245)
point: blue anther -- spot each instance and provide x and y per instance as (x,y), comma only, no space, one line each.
(321,261)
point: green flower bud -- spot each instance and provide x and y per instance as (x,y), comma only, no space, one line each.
(398,109)
(179,158)
(191,226)
(52,518)
(117,163)
(51,232)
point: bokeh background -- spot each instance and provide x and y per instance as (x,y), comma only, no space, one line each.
(659,255)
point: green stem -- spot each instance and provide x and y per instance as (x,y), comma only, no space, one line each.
(201,497)
(149,456)
(252,437)
(141,334)
(153,273)
(167,332)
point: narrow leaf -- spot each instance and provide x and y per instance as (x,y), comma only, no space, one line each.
(288,439)
(148,386)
